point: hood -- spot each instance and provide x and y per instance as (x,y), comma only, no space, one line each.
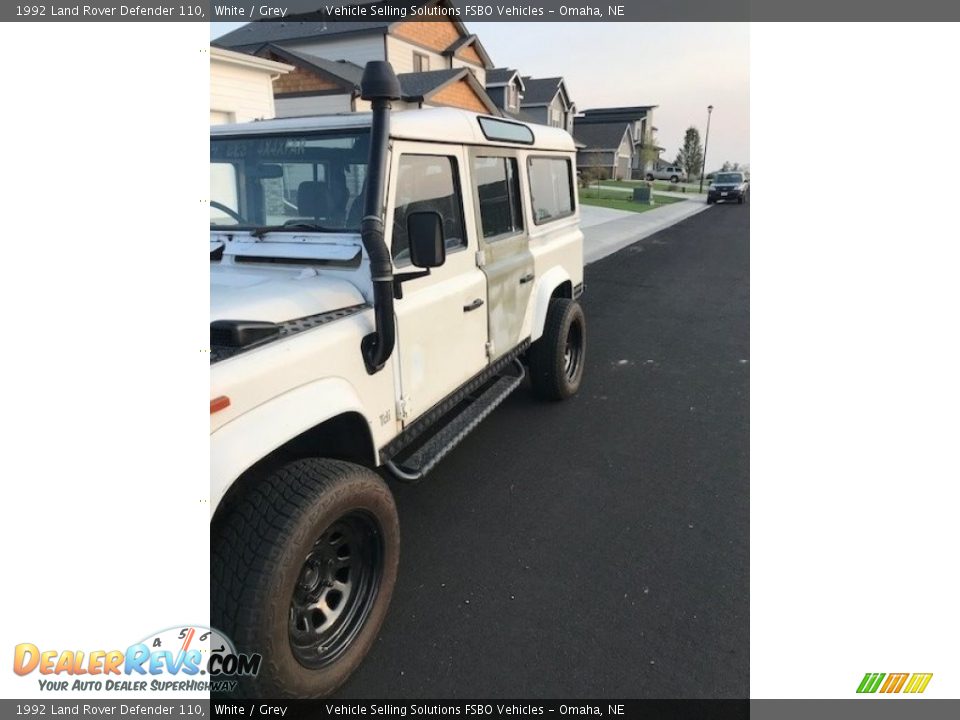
(276,294)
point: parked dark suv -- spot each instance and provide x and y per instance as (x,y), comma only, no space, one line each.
(728,186)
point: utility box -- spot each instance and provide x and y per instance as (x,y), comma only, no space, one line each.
(643,194)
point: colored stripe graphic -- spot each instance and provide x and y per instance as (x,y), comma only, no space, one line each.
(870,682)
(918,683)
(894,682)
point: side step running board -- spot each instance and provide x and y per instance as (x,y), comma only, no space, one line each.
(415,465)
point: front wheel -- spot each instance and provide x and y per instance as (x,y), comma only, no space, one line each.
(302,570)
(557,358)
(674,179)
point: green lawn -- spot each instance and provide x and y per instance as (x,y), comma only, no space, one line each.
(589,197)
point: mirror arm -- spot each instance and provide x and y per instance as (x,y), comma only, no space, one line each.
(402,278)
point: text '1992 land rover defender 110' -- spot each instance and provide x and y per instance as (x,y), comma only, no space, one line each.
(378,286)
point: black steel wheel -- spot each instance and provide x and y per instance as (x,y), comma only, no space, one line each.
(303,565)
(557,358)
(573,352)
(336,589)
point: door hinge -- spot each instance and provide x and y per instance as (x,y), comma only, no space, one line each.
(403,408)
(490,349)
(481,259)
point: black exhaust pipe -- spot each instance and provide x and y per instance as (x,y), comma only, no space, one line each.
(380,86)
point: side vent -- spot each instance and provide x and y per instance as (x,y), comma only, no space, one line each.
(241,333)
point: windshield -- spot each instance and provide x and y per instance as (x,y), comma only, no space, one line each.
(728,178)
(297,180)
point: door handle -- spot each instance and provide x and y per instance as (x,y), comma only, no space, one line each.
(473,306)
(527,278)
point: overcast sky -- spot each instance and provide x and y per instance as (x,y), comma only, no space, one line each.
(681,67)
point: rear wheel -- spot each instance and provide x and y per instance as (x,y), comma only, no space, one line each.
(674,178)
(649,176)
(557,358)
(302,571)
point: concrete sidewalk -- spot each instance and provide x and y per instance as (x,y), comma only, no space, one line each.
(607,231)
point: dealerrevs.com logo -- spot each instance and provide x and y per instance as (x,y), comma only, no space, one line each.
(181,659)
(911,683)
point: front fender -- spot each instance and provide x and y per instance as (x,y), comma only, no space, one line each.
(249,438)
(550,281)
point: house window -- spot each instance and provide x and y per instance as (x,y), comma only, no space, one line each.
(421,62)
(498,195)
(555,116)
(512,97)
(427,183)
(551,188)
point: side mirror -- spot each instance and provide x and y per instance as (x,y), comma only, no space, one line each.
(425,234)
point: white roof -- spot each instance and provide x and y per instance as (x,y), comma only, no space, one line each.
(431,124)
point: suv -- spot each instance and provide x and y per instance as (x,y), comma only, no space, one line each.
(672,173)
(727,187)
(379,284)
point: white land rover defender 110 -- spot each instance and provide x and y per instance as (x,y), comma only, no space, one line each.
(378,286)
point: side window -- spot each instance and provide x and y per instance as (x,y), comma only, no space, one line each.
(498,193)
(421,62)
(427,182)
(224,186)
(551,188)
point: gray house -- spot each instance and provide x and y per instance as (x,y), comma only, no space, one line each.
(604,148)
(547,101)
(639,118)
(506,89)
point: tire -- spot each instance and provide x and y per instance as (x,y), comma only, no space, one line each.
(649,176)
(740,200)
(277,560)
(674,179)
(710,201)
(557,358)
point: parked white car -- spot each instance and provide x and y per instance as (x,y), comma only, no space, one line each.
(379,284)
(673,173)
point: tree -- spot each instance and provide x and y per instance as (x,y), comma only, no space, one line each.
(648,152)
(690,157)
(727,166)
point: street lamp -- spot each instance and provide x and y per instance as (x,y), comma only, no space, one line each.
(706,142)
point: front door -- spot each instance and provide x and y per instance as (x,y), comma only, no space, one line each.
(441,320)
(504,243)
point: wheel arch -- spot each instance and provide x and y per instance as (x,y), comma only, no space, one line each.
(555,283)
(286,429)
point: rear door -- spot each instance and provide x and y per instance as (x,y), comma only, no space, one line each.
(441,319)
(504,244)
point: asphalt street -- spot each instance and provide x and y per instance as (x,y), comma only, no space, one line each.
(596,548)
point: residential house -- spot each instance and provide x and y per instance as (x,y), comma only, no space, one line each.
(505,87)
(241,86)
(547,101)
(640,119)
(438,62)
(605,149)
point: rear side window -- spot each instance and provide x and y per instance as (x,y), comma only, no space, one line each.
(427,182)
(551,188)
(498,193)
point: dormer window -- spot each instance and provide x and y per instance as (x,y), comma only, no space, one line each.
(512,97)
(421,62)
